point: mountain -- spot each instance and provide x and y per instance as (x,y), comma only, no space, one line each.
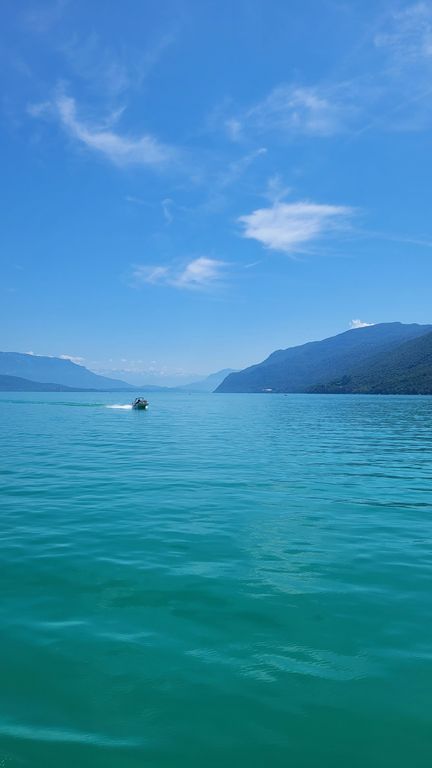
(302,368)
(150,379)
(55,374)
(198,383)
(404,370)
(54,369)
(150,388)
(17,384)
(209,384)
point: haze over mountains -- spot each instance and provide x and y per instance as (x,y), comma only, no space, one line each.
(376,358)
(388,358)
(55,370)
(34,373)
(18,384)
(209,384)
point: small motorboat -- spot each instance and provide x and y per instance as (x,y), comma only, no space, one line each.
(139,404)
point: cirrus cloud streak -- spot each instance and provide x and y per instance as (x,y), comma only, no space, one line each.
(122,150)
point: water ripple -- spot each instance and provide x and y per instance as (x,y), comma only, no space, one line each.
(241,577)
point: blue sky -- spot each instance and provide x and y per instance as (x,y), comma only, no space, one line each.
(189,185)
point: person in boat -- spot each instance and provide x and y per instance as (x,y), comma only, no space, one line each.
(139,402)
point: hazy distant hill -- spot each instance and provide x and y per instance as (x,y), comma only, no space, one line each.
(209,384)
(57,371)
(17,384)
(300,369)
(150,388)
(404,370)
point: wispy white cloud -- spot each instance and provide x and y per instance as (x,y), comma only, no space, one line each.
(289,227)
(233,128)
(390,91)
(198,274)
(137,200)
(276,190)
(359,324)
(293,110)
(408,36)
(73,359)
(144,273)
(167,206)
(220,179)
(122,150)
(113,70)
(42,17)
(238,168)
(402,84)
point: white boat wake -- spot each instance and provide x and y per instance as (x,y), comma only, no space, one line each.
(120,407)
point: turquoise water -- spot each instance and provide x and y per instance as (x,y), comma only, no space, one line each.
(224,580)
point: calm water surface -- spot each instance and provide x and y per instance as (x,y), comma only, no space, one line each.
(224,580)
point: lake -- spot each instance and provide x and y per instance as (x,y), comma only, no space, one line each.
(235,580)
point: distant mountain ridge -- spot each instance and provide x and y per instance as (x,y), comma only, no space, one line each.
(387,358)
(209,384)
(198,384)
(56,370)
(57,374)
(18,384)
(312,367)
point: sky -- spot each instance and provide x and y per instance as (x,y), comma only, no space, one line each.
(188,185)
